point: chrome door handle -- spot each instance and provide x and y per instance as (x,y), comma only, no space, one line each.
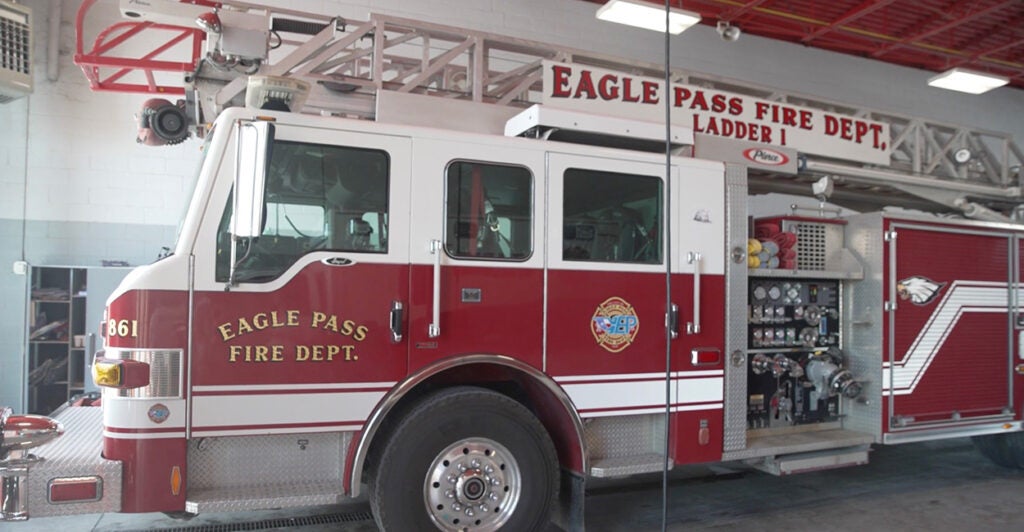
(434,329)
(396,321)
(693,327)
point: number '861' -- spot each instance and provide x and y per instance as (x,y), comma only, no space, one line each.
(124,328)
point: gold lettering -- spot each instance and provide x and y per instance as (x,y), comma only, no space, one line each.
(273,320)
(347,327)
(260,321)
(261,353)
(331,351)
(243,327)
(225,331)
(332,324)
(302,352)
(360,334)
(293,318)
(318,352)
(318,318)
(348,352)
(235,350)
(277,353)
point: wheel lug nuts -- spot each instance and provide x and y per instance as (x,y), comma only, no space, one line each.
(469,512)
(493,496)
(482,508)
(488,470)
(475,464)
(462,468)
(450,494)
(452,479)
(456,507)
(495,482)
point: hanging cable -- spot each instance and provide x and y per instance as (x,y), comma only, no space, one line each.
(668,276)
(23,391)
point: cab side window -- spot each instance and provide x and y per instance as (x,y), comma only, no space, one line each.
(317,197)
(488,211)
(611,217)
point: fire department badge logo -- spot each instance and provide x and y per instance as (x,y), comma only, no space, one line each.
(158,413)
(919,290)
(614,324)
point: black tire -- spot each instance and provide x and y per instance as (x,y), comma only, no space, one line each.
(492,446)
(1006,450)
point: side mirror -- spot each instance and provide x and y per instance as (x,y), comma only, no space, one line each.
(252,157)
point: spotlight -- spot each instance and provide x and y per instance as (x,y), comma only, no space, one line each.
(728,32)
(209,21)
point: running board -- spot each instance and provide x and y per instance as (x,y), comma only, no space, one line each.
(622,466)
(814,461)
(271,496)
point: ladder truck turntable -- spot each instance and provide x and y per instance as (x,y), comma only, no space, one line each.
(470,304)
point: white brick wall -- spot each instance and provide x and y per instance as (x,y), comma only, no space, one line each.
(84,165)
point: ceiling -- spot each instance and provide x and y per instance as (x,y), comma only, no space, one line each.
(936,35)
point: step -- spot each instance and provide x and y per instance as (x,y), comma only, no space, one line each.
(815,461)
(785,443)
(621,466)
(264,497)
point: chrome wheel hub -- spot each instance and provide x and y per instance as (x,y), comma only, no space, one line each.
(473,484)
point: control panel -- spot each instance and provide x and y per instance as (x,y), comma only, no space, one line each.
(795,368)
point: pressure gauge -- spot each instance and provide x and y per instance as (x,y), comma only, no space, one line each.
(962,155)
(774,292)
(760,293)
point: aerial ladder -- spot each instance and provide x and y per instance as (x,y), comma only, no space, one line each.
(215,55)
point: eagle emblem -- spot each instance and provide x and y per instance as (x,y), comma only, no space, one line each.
(919,290)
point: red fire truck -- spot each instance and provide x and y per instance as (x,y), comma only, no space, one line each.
(467,326)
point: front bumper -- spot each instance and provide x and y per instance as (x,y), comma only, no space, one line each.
(65,476)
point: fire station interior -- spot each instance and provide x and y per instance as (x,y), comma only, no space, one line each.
(794,304)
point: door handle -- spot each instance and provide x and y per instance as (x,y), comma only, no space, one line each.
(672,321)
(434,329)
(693,327)
(396,321)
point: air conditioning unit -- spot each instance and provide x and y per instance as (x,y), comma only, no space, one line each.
(15,51)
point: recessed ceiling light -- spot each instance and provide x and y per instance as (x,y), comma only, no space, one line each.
(959,79)
(648,16)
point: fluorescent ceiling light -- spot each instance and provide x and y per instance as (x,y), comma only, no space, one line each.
(648,16)
(959,79)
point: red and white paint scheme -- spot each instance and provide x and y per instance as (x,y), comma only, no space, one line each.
(478,322)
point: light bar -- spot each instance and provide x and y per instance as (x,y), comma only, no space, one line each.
(648,16)
(959,79)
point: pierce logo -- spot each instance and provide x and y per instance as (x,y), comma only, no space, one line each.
(766,156)
(614,324)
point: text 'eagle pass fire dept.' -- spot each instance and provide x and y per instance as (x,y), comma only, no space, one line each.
(328,352)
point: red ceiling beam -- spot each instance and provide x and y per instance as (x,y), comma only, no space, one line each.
(977,55)
(729,16)
(866,7)
(941,28)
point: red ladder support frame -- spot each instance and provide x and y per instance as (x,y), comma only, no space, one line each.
(119,33)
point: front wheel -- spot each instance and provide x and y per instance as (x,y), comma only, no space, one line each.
(466,459)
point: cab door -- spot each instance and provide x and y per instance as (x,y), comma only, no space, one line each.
(477,285)
(606,283)
(304,338)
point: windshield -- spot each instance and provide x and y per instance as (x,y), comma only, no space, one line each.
(191,193)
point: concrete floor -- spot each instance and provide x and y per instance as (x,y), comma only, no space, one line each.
(944,485)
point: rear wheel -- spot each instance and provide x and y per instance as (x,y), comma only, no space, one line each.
(1006,450)
(466,459)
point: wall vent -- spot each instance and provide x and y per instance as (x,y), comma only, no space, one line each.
(15,51)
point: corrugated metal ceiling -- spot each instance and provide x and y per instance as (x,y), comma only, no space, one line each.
(935,35)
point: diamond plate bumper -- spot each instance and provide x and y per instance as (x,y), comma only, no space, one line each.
(25,489)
